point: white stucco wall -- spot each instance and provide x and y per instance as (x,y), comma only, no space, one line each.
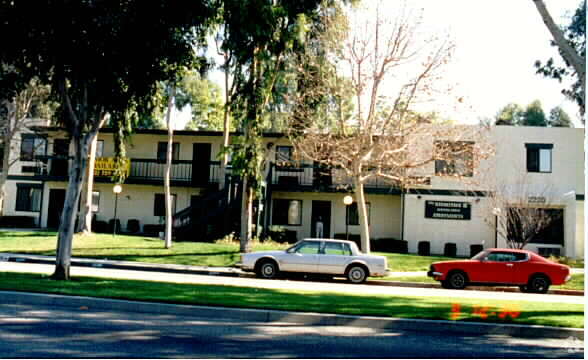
(476,231)
(384,218)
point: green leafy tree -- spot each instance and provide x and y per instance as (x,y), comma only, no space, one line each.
(559,118)
(510,114)
(571,43)
(259,35)
(534,115)
(103,59)
(206,100)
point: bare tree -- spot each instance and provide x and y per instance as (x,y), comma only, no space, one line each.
(386,137)
(16,118)
(520,211)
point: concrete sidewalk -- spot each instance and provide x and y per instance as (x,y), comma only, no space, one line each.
(233,271)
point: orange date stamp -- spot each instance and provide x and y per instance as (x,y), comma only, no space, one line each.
(484,312)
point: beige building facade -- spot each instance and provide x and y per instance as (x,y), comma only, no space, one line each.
(301,199)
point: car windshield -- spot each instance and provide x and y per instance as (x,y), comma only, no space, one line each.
(481,255)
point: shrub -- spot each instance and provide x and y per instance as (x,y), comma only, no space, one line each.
(424,248)
(450,249)
(133,226)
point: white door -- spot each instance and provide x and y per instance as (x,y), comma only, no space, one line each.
(334,258)
(303,258)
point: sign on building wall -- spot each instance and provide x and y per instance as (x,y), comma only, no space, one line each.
(106,166)
(453,210)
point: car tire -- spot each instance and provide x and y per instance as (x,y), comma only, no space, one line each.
(356,274)
(445,284)
(539,284)
(524,288)
(267,269)
(457,280)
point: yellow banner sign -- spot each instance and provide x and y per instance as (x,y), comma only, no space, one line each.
(106,166)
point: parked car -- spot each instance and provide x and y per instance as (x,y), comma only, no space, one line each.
(522,268)
(317,256)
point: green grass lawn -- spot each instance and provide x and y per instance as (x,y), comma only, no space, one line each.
(151,250)
(517,312)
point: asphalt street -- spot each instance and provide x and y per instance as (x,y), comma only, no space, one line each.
(335,286)
(74,331)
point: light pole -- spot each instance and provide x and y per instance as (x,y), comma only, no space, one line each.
(347,200)
(116,190)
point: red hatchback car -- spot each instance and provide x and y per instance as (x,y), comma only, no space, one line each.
(522,268)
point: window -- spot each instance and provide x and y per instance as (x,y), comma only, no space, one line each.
(337,249)
(456,158)
(100,148)
(352,216)
(287,212)
(308,247)
(159,204)
(31,146)
(162,151)
(506,256)
(95,201)
(28,197)
(284,154)
(539,157)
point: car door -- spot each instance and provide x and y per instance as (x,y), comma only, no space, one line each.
(497,267)
(334,258)
(302,258)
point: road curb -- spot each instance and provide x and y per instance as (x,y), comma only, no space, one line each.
(298,318)
(226,271)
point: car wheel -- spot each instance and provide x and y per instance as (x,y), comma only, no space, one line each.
(267,269)
(539,284)
(524,288)
(357,274)
(445,284)
(457,280)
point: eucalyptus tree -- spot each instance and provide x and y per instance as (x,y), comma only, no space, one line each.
(571,43)
(258,35)
(104,60)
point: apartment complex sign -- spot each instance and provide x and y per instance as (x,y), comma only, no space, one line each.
(452,210)
(106,166)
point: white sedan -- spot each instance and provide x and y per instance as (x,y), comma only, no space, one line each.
(317,256)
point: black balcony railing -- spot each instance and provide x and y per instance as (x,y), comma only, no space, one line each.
(183,172)
(317,177)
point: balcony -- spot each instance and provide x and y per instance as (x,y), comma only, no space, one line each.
(142,171)
(312,177)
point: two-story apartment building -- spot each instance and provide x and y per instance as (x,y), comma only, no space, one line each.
(298,195)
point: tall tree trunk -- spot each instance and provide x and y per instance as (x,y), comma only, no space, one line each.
(5,169)
(168,166)
(81,145)
(85,218)
(363,218)
(246,217)
(226,121)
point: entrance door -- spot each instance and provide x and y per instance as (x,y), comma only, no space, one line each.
(321,212)
(59,166)
(56,202)
(200,164)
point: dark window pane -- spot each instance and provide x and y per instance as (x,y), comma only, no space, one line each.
(533,160)
(287,212)
(162,151)
(353,214)
(159,204)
